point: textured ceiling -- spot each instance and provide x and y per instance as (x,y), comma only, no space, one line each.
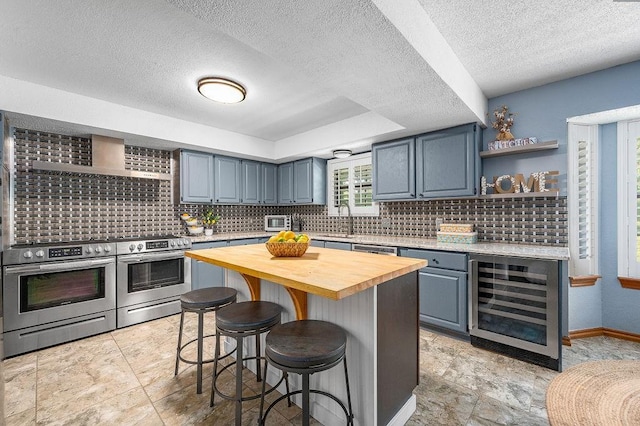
(319,74)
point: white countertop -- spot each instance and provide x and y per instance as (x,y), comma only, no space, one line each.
(500,249)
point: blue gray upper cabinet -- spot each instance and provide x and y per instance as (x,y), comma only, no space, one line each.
(269,183)
(394,170)
(251,178)
(196,177)
(285,183)
(447,162)
(309,181)
(227,180)
(303,182)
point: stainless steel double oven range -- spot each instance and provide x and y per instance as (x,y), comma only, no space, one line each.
(58,292)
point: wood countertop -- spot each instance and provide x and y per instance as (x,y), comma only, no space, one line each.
(330,273)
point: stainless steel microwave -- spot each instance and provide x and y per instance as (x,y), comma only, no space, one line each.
(277,222)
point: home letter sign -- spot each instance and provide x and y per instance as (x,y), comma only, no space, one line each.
(506,184)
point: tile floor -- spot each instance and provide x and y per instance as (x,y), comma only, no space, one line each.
(126,377)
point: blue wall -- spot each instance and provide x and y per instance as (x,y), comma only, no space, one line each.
(542,112)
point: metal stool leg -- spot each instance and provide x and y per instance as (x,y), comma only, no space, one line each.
(179,342)
(215,368)
(239,356)
(200,345)
(258,375)
(264,386)
(346,379)
(305,399)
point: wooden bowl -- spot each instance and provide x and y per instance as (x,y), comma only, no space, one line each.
(287,249)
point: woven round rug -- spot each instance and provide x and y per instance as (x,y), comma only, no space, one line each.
(596,393)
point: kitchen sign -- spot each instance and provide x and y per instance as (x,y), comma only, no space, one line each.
(506,184)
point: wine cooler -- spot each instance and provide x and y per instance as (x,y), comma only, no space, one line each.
(515,305)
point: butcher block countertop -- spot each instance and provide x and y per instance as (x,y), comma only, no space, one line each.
(334,274)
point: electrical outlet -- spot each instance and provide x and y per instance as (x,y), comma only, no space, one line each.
(439,221)
(386,222)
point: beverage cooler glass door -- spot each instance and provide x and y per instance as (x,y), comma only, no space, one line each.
(515,302)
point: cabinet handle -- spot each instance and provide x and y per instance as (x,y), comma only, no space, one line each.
(471,293)
(436,261)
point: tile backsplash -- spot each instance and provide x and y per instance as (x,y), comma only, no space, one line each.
(68,207)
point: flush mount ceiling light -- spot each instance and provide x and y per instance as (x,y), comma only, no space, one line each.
(221,90)
(342,153)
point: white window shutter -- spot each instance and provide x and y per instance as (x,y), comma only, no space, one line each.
(582,199)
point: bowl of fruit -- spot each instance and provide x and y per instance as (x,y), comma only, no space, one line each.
(288,244)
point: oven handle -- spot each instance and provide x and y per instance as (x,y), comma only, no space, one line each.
(65,266)
(133,258)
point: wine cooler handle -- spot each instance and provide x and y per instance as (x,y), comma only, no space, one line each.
(470,291)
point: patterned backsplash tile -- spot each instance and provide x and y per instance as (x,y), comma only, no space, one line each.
(68,207)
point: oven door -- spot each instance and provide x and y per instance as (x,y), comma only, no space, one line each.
(146,277)
(39,294)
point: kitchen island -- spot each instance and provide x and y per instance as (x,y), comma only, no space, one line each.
(374,298)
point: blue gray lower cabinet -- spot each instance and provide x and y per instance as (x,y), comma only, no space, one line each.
(316,243)
(337,245)
(246,241)
(205,274)
(443,289)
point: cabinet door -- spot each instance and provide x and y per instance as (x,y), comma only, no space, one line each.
(251,182)
(446,162)
(394,170)
(443,298)
(227,180)
(317,243)
(269,183)
(303,181)
(204,274)
(285,183)
(196,177)
(244,241)
(338,245)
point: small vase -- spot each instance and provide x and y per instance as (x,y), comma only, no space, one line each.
(504,136)
(208,232)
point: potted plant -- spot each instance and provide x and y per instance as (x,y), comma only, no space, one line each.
(209,218)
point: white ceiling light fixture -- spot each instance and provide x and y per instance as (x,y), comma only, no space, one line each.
(221,90)
(342,153)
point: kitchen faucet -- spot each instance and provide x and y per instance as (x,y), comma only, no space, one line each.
(349,229)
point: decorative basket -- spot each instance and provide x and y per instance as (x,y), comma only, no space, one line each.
(287,249)
(456,227)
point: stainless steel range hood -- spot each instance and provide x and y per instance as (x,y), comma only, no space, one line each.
(107,158)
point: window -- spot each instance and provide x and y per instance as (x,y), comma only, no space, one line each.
(629,199)
(350,181)
(583,203)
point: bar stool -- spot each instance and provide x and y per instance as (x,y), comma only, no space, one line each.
(200,302)
(240,320)
(306,347)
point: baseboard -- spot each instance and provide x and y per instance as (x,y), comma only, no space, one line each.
(600,331)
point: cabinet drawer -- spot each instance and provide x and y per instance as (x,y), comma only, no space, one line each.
(439,259)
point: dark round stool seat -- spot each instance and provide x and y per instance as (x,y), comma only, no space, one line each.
(248,316)
(238,321)
(306,347)
(201,301)
(306,344)
(207,297)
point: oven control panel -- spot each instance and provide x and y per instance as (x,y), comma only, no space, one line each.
(18,255)
(145,246)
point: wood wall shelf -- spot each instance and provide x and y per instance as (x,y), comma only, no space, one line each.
(542,146)
(521,195)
